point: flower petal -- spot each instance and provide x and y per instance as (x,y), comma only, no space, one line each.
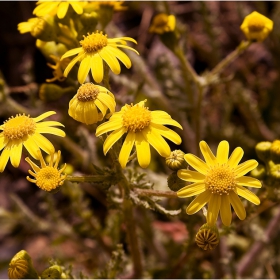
(248,182)
(143,150)
(196,163)
(48,124)
(222,152)
(77,7)
(190,176)
(62,9)
(51,130)
(191,190)
(168,133)
(247,195)
(225,210)
(120,55)
(97,68)
(4,158)
(3,141)
(235,157)
(107,100)
(108,126)
(32,147)
(43,143)
(15,154)
(112,139)
(126,148)
(111,60)
(210,159)
(44,116)
(245,167)
(213,208)
(163,119)
(71,52)
(198,202)
(84,69)
(102,108)
(237,205)
(72,63)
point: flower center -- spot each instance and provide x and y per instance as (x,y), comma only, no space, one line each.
(94,42)
(18,127)
(136,118)
(220,179)
(255,24)
(87,92)
(48,178)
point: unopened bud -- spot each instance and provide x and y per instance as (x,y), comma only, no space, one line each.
(51,92)
(274,170)
(176,161)
(174,182)
(89,21)
(263,150)
(53,272)
(275,151)
(207,237)
(259,172)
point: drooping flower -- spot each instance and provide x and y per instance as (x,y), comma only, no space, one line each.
(24,131)
(96,47)
(163,23)
(45,7)
(256,26)
(58,68)
(143,128)
(48,177)
(91,103)
(219,181)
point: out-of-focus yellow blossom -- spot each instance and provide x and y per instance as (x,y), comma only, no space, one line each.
(91,103)
(24,131)
(46,7)
(256,26)
(115,5)
(218,182)
(96,47)
(163,23)
(143,128)
(48,177)
(58,67)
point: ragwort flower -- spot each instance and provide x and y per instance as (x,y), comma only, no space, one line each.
(218,182)
(96,47)
(256,26)
(48,177)
(91,103)
(143,128)
(24,131)
(60,8)
(163,23)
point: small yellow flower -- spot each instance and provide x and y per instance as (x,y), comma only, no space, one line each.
(58,67)
(96,47)
(115,5)
(48,177)
(218,182)
(24,131)
(256,26)
(60,8)
(163,23)
(143,128)
(91,103)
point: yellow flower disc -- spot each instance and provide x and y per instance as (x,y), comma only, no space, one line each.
(94,42)
(87,92)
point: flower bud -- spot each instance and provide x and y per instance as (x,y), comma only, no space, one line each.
(174,182)
(89,21)
(51,92)
(263,150)
(21,267)
(274,170)
(176,161)
(43,28)
(275,151)
(207,237)
(259,172)
(53,272)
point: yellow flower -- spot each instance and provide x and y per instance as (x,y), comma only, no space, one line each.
(25,131)
(143,128)
(90,104)
(48,177)
(60,8)
(115,5)
(163,23)
(58,67)
(96,47)
(218,182)
(256,26)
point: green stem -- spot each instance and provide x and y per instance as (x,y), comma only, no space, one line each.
(155,193)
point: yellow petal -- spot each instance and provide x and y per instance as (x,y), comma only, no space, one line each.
(143,150)
(101,107)
(84,69)
(72,63)
(120,55)
(237,205)
(97,68)
(77,7)
(48,124)
(35,167)
(43,116)
(51,130)
(111,61)
(248,182)
(4,158)
(213,208)
(32,147)
(3,141)
(167,133)
(210,159)
(222,152)
(196,163)
(225,210)
(245,167)
(235,157)
(191,190)
(108,126)
(107,100)
(164,120)
(198,202)
(126,149)
(112,139)
(62,9)
(71,52)
(15,154)
(247,195)
(43,143)
(190,176)
(90,113)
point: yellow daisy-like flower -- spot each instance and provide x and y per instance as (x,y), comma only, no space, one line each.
(45,7)
(143,128)
(163,23)
(219,181)
(96,47)
(24,131)
(91,103)
(256,26)
(48,177)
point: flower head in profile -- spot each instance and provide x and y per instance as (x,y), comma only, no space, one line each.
(24,131)
(219,182)
(163,23)
(48,177)
(256,26)
(45,7)
(143,128)
(58,68)
(91,103)
(96,47)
